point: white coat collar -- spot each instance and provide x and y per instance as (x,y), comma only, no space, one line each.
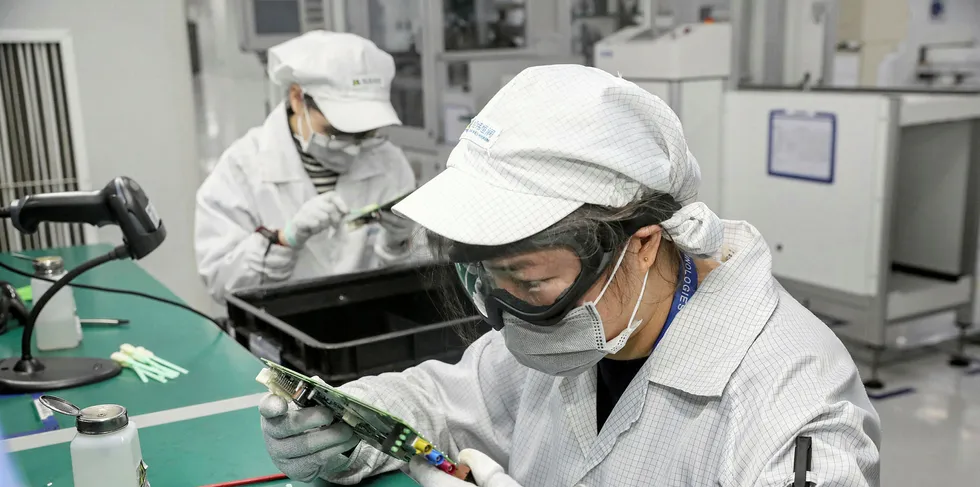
(709,338)
(284,164)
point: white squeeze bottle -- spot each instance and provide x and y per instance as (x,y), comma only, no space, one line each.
(58,326)
(106,449)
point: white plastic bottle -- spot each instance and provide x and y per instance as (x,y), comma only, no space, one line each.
(58,326)
(106,449)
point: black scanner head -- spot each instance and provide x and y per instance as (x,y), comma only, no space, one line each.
(141,226)
(122,202)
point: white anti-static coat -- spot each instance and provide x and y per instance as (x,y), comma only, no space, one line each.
(260,181)
(742,371)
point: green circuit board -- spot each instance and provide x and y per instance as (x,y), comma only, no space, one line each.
(380,429)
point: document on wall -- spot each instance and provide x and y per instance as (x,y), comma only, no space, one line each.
(802,145)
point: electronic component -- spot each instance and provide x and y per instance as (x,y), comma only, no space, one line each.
(375,427)
(370,213)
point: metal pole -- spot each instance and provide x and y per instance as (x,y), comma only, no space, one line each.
(740,16)
(829,42)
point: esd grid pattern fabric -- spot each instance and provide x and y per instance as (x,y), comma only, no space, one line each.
(742,371)
(552,139)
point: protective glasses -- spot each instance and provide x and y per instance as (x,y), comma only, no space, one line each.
(337,140)
(538,284)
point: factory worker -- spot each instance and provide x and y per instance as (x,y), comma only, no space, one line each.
(273,208)
(638,339)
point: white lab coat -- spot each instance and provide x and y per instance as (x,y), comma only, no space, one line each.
(260,181)
(742,371)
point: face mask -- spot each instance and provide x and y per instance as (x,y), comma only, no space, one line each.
(324,150)
(573,345)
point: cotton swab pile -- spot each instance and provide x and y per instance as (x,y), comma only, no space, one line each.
(146,364)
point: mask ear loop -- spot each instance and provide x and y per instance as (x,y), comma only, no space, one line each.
(613,274)
(617,344)
(309,127)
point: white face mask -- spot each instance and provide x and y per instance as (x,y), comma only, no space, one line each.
(322,148)
(574,344)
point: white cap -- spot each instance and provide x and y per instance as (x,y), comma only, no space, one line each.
(347,75)
(555,138)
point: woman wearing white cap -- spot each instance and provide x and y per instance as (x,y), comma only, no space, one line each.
(639,340)
(273,207)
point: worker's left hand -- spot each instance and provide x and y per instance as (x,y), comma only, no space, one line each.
(398,229)
(486,472)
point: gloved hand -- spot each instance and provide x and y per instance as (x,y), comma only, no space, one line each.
(398,230)
(325,211)
(304,443)
(397,226)
(277,264)
(486,472)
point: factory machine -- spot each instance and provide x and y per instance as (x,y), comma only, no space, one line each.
(870,202)
(688,67)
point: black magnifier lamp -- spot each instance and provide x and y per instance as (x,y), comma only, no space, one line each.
(122,202)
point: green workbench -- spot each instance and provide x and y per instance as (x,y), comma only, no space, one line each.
(222,446)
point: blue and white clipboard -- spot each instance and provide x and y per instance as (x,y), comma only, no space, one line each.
(802,145)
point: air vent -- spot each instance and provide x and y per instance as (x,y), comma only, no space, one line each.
(37,154)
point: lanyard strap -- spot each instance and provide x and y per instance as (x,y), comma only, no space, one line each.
(687,283)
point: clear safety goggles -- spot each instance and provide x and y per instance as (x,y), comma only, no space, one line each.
(339,141)
(536,283)
(539,287)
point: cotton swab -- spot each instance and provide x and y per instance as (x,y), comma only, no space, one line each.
(127,361)
(142,358)
(148,357)
(161,361)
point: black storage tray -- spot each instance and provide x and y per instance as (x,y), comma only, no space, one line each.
(344,327)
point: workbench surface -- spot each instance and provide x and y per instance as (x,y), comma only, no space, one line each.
(198,429)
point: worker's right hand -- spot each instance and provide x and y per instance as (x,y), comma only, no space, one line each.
(486,472)
(274,261)
(304,443)
(320,213)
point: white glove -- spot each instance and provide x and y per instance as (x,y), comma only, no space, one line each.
(321,213)
(304,443)
(486,472)
(276,265)
(398,229)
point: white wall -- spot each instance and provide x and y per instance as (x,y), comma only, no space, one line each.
(137,109)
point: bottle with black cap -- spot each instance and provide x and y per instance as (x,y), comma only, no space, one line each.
(106,449)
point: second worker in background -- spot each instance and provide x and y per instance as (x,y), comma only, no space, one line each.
(273,209)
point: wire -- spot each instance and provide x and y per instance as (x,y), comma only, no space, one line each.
(264,256)
(251,481)
(118,291)
(4,212)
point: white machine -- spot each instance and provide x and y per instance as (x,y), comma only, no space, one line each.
(687,67)
(870,202)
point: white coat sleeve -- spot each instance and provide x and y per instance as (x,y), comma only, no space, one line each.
(225,243)
(404,181)
(471,404)
(820,396)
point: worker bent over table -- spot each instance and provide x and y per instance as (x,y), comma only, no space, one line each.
(638,339)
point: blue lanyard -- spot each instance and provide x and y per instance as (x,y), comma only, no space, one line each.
(687,283)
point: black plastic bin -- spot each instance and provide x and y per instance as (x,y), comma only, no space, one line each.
(344,327)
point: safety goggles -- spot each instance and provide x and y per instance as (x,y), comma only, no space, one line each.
(339,141)
(539,285)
